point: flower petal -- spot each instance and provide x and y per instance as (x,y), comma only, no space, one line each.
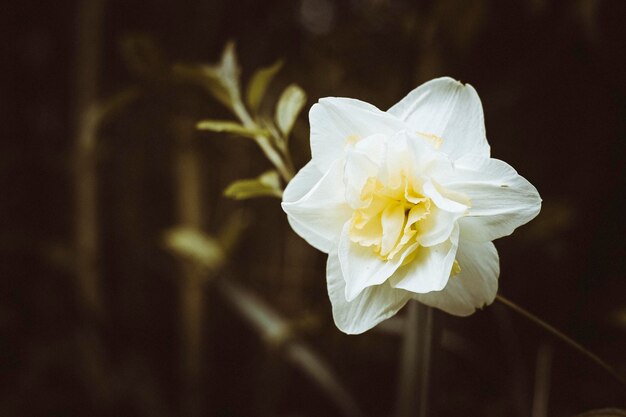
(392,221)
(315,205)
(501,199)
(447,109)
(430,269)
(362,267)
(373,305)
(304,181)
(441,201)
(362,163)
(336,122)
(436,228)
(474,287)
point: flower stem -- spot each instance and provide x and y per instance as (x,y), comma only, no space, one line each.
(568,340)
(190,212)
(415,363)
(541,391)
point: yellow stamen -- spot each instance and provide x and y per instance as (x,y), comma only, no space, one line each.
(352,139)
(388,219)
(434,140)
(456,268)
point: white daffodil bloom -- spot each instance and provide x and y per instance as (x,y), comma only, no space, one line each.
(406,203)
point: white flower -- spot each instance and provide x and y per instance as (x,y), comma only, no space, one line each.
(406,203)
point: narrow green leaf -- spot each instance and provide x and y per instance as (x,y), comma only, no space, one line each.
(289,106)
(195,246)
(227,126)
(259,82)
(228,71)
(265,185)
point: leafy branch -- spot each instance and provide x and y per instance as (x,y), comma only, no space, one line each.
(222,81)
(209,255)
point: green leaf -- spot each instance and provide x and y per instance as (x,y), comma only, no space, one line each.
(289,106)
(227,126)
(195,246)
(228,70)
(259,82)
(232,229)
(265,185)
(221,80)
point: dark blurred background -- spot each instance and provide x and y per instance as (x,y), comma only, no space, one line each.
(98,318)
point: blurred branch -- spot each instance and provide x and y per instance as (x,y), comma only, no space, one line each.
(89,40)
(190,212)
(110,107)
(90,113)
(275,330)
(311,364)
(568,340)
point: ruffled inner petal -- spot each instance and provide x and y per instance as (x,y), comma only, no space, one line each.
(392,220)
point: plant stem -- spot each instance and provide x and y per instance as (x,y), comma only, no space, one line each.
(276,332)
(190,213)
(415,363)
(89,42)
(88,47)
(274,158)
(541,391)
(568,340)
(282,165)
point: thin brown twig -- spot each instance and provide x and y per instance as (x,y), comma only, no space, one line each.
(568,340)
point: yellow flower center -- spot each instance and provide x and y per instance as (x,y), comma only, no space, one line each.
(390,215)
